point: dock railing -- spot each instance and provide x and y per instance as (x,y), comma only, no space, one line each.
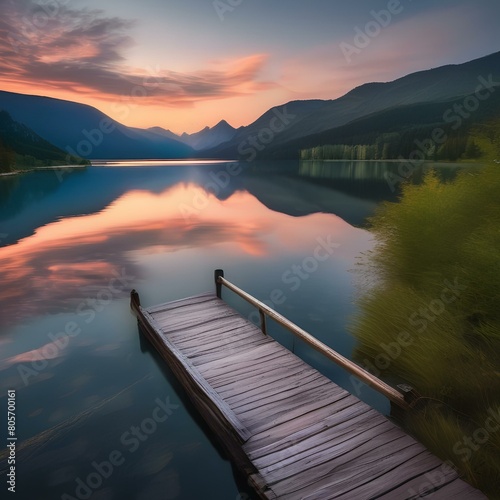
(404,399)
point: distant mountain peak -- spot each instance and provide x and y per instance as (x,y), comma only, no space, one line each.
(209,137)
(223,123)
(163,132)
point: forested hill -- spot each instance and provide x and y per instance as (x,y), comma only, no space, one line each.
(440,131)
(20,147)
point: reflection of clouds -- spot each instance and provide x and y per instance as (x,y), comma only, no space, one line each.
(14,381)
(165,484)
(47,352)
(157,456)
(107,349)
(74,259)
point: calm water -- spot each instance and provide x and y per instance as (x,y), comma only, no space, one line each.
(97,411)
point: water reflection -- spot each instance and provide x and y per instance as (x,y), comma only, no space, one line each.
(69,259)
(40,198)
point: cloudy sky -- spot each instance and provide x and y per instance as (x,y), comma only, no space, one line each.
(184,64)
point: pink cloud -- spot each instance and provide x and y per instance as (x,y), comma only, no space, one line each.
(46,352)
(84,51)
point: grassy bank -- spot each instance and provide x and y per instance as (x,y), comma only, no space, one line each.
(435,277)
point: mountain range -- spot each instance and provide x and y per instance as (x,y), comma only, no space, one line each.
(419,101)
(307,120)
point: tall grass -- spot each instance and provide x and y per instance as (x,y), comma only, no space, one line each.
(437,264)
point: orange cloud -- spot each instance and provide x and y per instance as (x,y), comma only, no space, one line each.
(83,51)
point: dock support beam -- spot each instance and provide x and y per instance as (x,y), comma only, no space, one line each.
(218,273)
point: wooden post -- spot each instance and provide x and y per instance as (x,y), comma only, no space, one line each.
(410,396)
(218,273)
(409,393)
(135,301)
(263,326)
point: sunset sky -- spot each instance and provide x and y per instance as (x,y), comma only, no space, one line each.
(184,64)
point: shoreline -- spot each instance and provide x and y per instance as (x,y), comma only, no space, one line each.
(407,160)
(35,169)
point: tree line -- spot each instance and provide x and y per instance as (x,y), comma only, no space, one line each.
(482,142)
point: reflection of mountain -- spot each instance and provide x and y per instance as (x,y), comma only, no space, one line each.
(293,196)
(349,190)
(285,187)
(72,259)
(375,181)
(39,198)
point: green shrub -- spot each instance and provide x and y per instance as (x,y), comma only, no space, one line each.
(440,237)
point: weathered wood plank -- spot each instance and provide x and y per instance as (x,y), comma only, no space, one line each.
(258,377)
(307,445)
(281,437)
(364,462)
(388,482)
(218,345)
(365,442)
(455,489)
(281,386)
(200,358)
(246,364)
(226,330)
(188,316)
(270,398)
(304,401)
(251,384)
(204,387)
(266,353)
(306,411)
(175,304)
(200,320)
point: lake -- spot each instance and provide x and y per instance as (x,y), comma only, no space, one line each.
(73,243)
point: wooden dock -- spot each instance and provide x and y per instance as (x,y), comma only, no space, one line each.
(290,430)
